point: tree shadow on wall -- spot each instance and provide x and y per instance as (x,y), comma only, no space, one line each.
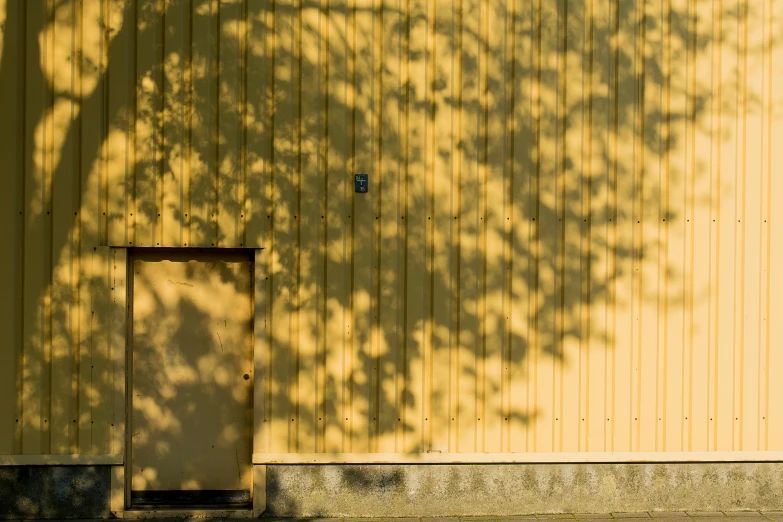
(54,492)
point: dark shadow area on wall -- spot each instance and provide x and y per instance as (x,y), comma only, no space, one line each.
(54,492)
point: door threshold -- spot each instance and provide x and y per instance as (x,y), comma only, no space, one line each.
(231,499)
(139,514)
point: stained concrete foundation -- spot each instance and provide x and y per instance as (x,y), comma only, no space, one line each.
(54,492)
(382,491)
(517,489)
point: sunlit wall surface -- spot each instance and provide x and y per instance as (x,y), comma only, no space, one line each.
(571,239)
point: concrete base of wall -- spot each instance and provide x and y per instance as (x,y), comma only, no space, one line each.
(54,492)
(517,489)
(62,492)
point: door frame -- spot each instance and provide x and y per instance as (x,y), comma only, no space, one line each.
(122,290)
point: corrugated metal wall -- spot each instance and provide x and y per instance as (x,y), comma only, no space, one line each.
(570,242)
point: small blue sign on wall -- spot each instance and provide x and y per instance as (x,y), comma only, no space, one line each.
(362,183)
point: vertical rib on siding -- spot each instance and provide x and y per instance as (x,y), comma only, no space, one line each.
(675,142)
(416,217)
(65,203)
(12,221)
(775,299)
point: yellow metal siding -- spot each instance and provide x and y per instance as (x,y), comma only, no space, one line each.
(569,242)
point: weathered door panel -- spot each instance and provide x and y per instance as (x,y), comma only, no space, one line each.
(191,378)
